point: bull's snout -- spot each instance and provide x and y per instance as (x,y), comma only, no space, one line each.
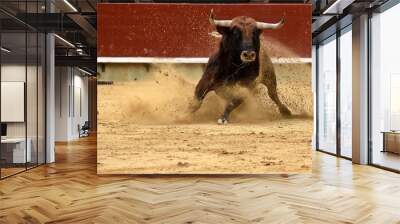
(248,56)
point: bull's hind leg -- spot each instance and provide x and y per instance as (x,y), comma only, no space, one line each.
(270,82)
(232,104)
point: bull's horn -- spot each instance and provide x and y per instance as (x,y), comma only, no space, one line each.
(215,22)
(261,25)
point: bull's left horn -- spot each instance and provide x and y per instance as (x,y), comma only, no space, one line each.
(215,22)
(261,25)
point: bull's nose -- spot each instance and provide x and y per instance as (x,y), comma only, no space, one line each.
(248,56)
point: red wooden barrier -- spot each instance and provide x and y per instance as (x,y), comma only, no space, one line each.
(182,30)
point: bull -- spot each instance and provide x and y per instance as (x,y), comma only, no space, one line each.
(241,60)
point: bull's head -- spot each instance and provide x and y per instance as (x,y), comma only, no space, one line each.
(241,36)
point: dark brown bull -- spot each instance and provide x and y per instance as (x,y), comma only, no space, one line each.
(241,60)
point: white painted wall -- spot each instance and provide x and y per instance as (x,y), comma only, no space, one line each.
(16,73)
(81,101)
(62,82)
(13,72)
(71,93)
(33,127)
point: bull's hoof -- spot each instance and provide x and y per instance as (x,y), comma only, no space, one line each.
(285,112)
(222,121)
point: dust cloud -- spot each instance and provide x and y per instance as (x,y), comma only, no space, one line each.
(164,93)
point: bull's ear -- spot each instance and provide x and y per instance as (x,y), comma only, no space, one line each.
(223,30)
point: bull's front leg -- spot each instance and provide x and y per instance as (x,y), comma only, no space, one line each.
(202,88)
(232,104)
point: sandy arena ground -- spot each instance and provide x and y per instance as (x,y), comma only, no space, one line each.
(144,127)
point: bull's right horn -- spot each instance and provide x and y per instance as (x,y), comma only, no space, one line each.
(215,22)
(261,25)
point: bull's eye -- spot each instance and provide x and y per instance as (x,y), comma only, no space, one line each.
(256,32)
(236,33)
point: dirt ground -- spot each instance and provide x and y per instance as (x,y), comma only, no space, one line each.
(144,127)
(277,146)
